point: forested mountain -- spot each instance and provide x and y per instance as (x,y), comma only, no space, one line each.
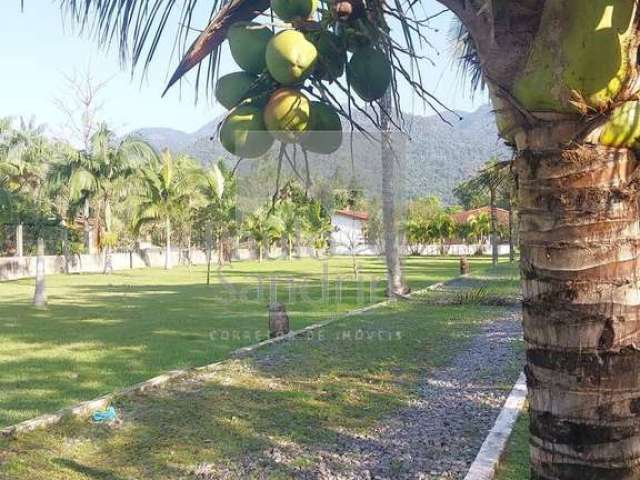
(437,155)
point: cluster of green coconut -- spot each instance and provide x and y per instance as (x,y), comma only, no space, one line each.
(267,99)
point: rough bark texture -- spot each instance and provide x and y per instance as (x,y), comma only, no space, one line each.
(579,246)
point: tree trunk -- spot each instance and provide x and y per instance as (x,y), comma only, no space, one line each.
(260,252)
(395,285)
(40,295)
(88,242)
(494,227)
(290,248)
(579,258)
(512,253)
(220,251)
(19,240)
(65,248)
(167,244)
(209,252)
(189,252)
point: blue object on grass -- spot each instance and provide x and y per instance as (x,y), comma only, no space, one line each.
(103,416)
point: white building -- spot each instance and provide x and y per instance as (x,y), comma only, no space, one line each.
(348,236)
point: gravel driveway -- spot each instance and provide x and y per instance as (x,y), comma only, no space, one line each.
(439,434)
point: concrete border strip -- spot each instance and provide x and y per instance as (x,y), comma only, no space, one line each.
(85,409)
(486,462)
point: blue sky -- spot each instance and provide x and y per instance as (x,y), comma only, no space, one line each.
(37,50)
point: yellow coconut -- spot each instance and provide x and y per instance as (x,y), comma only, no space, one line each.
(286,115)
(324,133)
(290,57)
(248,42)
(623,127)
(243,132)
(289,10)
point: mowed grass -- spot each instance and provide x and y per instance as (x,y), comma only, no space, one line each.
(515,462)
(100,332)
(274,413)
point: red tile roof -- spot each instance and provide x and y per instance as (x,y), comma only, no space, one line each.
(353,214)
(463,217)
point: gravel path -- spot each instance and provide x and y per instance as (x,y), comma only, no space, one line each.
(438,436)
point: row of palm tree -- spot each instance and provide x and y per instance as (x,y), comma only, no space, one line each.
(123,188)
(442,228)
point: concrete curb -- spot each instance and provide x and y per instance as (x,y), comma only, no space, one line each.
(85,409)
(486,462)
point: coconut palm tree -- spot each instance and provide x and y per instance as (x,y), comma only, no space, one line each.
(100,176)
(317,225)
(263,228)
(479,227)
(494,177)
(290,221)
(562,78)
(23,156)
(219,206)
(167,183)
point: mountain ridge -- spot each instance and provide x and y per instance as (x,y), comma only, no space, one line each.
(438,155)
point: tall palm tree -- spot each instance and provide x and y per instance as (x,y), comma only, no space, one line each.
(562,78)
(100,175)
(167,183)
(23,164)
(219,206)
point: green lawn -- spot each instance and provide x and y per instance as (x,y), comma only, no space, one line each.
(102,332)
(515,463)
(296,398)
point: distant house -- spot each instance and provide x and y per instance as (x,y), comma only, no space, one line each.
(348,234)
(502,215)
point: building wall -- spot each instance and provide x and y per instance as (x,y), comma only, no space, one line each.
(348,234)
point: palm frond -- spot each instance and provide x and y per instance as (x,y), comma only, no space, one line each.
(465,54)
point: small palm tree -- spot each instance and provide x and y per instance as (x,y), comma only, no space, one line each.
(290,221)
(263,228)
(317,225)
(167,183)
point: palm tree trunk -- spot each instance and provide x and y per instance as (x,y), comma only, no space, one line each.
(209,251)
(88,244)
(512,253)
(65,248)
(19,239)
(220,251)
(290,247)
(40,295)
(167,252)
(395,285)
(494,227)
(189,253)
(260,252)
(579,260)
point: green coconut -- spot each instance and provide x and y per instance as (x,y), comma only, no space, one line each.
(248,42)
(324,133)
(243,132)
(369,73)
(623,127)
(234,87)
(287,114)
(332,56)
(289,10)
(290,57)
